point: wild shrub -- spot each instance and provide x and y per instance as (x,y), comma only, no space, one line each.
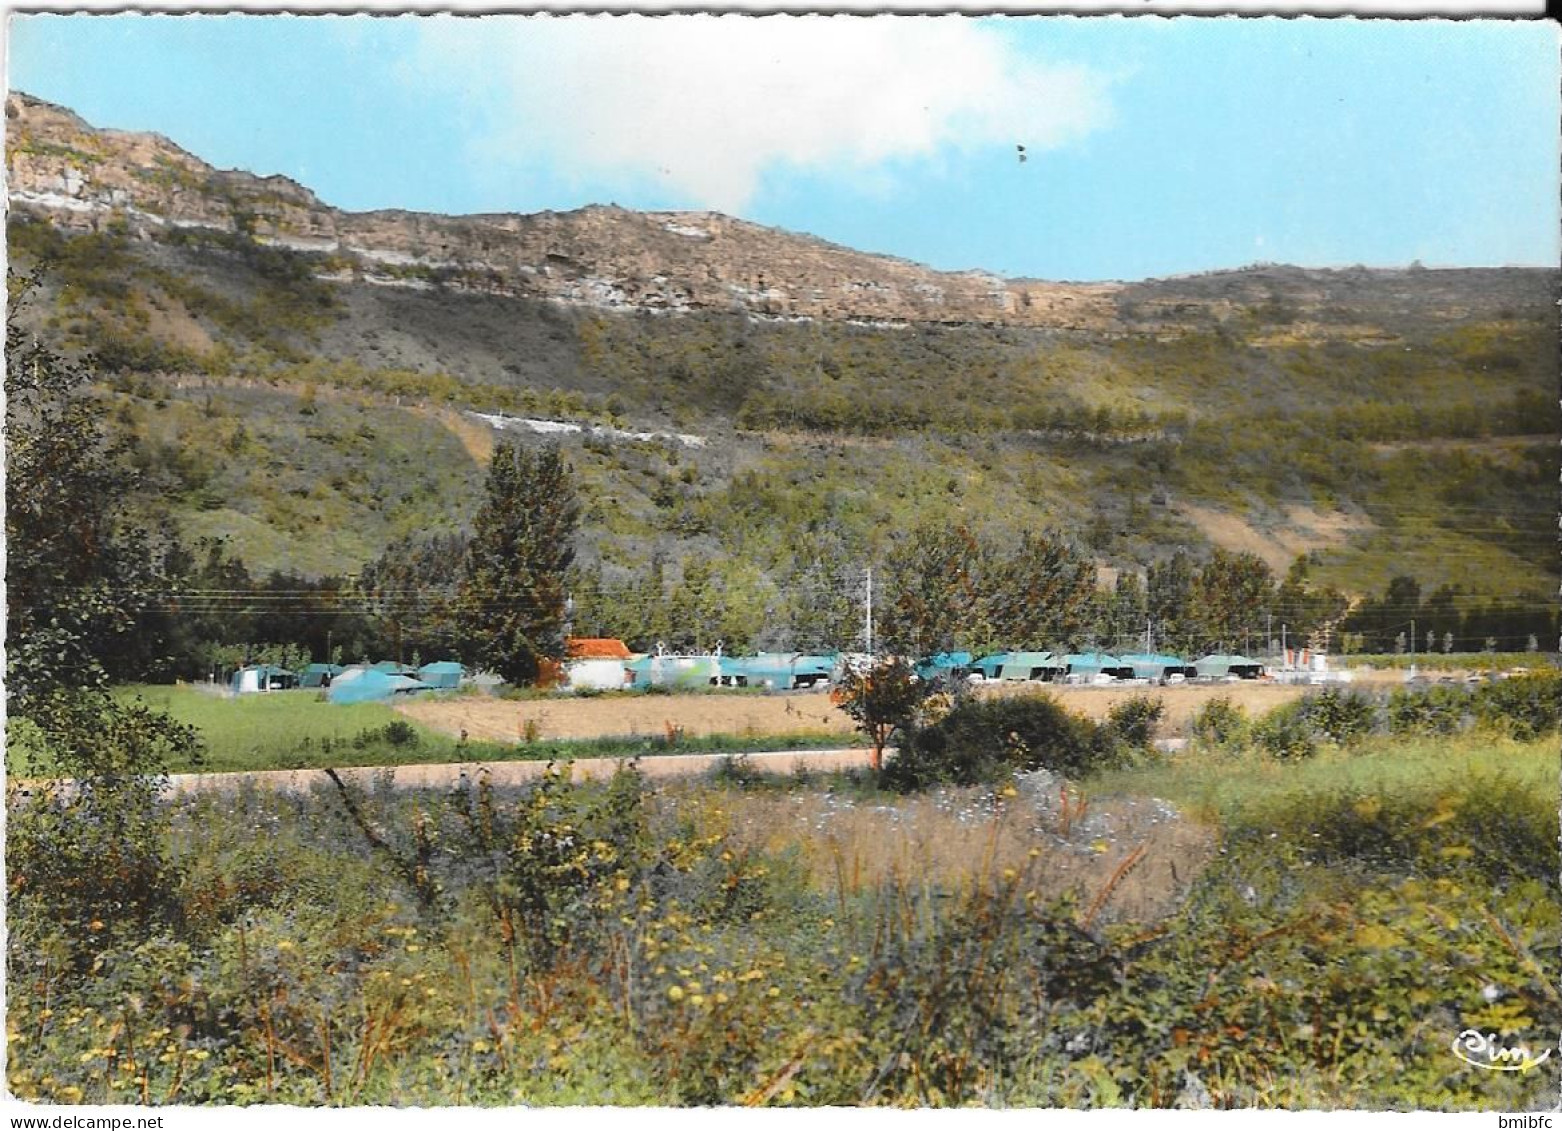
(1439,709)
(985,740)
(1286,732)
(1131,722)
(541,860)
(1221,722)
(954,999)
(1340,716)
(1525,706)
(739,772)
(398,733)
(92,865)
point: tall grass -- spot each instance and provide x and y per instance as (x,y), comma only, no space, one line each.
(1229,787)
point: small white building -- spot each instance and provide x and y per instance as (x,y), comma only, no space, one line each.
(596,664)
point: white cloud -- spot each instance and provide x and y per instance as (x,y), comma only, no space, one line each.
(706,105)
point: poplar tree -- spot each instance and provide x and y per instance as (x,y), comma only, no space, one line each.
(510,610)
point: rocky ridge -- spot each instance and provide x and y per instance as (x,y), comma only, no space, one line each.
(81,178)
(604,257)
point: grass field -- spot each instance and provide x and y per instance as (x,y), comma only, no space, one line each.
(290,730)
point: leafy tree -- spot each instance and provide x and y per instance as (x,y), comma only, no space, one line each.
(78,577)
(1040,594)
(933,590)
(1127,610)
(824,598)
(1302,607)
(1230,595)
(1169,594)
(727,603)
(411,589)
(510,608)
(78,573)
(881,700)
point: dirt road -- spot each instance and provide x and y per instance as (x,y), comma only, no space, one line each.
(514,773)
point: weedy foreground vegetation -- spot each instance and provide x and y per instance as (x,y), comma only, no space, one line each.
(1331,908)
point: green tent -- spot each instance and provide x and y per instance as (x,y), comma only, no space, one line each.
(444,674)
(1031,666)
(1222,666)
(319,675)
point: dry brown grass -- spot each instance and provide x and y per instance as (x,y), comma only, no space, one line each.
(502,720)
(953,838)
(809,713)
(1303,531)
(477,439)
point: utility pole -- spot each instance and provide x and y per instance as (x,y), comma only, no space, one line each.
(1412,641)
(868,619)
(1283,654)
(1269,632)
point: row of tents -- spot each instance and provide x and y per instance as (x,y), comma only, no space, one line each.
(607,665)
(1086,667)
(357,683)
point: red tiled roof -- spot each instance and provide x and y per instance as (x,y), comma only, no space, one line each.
(595,648)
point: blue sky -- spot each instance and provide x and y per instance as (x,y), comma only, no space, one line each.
(1153,146)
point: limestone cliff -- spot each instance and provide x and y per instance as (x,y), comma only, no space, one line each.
(604,256)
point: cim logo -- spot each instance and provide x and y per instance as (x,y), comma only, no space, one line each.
(1484,1051)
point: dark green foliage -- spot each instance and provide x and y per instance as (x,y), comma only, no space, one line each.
(1131,722)
(1228,600)
(985,740)
(1439,709)
(92,863)
(78,575)
(1340,716)
(510,607)
(1526,706)
(933,592)
(1221,722)
(950,589)
(75,577)
(1040,594)
(397,732)
(410,590)
(1169,599)
(90,855)
(1301,607)
(1285,733)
